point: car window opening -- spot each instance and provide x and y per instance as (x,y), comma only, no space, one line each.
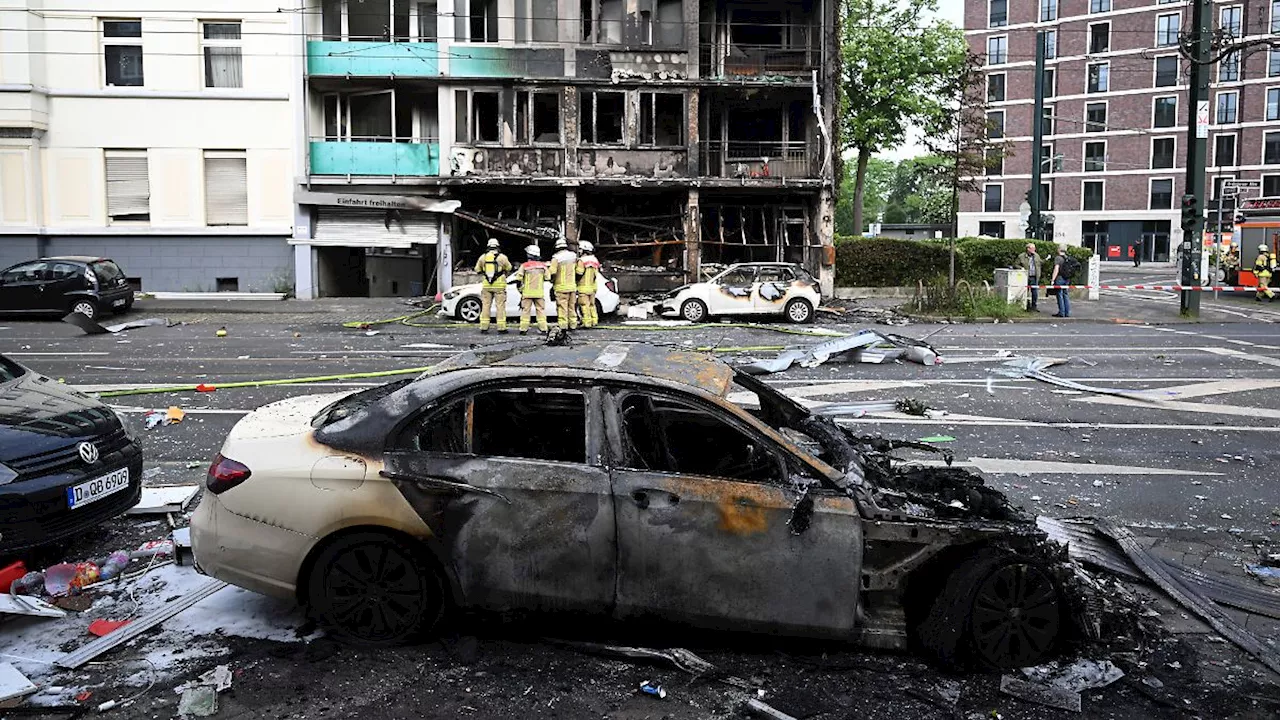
(531,423)
(670,437)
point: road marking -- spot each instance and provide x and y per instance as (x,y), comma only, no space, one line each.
(1062,425)
(111,387)
(398,353)
(1260,359)
(1175,406)
(55,354)
(189,411)
(1016,466)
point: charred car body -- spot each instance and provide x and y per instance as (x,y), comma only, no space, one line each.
(619,479)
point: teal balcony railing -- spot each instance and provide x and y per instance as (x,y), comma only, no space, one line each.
(381,158)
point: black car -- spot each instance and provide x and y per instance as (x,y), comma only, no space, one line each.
(87,285)
(67,462)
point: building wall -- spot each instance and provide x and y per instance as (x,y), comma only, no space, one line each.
(190,263)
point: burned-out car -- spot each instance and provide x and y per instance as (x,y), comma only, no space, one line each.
(618,479)
(765,288)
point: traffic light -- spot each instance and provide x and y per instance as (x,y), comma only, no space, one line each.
(1190,212)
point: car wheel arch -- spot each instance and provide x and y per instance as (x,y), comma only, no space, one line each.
(432,550)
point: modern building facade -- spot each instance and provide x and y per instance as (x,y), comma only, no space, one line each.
(669,133)
(159,136)
(1115,122)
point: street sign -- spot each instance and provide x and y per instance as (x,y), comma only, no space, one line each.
(1202,119)
(1235,186)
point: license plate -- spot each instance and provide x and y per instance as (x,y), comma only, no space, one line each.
(117,303)
(97,488)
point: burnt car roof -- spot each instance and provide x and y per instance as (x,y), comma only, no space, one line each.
(697,370)
(77,258)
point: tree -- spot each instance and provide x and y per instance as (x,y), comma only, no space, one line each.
(879,173)
(895,65)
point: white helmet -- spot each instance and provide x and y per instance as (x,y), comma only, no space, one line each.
(493,244)
(562,244)
(586,247)
(1262,247)
(533,251)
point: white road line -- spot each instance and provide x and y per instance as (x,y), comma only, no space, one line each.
(1260,359)
(55,354)
(399,353)
(1062,425)
(1015,466)
(111,387)
(189,411)
(1175,406)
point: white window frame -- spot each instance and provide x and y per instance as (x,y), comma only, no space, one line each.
(1267,102)
(1155,101)
(1216,101)
(1223,64)
(237,44)
(984,197)
(1155,71)
(1003,124)
(1084,194)
(237,216)
(1274,26)
(1151,152)
(1161,17)
(1263,159)
(1235,147)
(107,155)
(1103,6)
(1273,62)
(1263,180)
(1005,58)
(1006,14)
(1084,155)
(1089,38)
(1215,187)
(1106,109)
(1048,197)
(1173,190)
(105,41)
(1087,68)
(1051,87)
(1053,119)
(1046,158)
(1050,44)
(1222,11)
(1005,94)
(1052,6)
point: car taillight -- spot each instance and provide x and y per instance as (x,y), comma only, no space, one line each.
(613,287)
(224,474)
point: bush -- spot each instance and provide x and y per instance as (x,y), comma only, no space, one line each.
(982,256)
(966,300)
(888,262)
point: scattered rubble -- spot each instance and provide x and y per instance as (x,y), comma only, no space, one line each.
(91,327)
(866,345)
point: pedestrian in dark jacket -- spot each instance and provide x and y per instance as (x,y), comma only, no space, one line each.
(1030,261)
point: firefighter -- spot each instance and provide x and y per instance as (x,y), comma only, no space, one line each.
(588,272)
(562,268)
(493,267)
(532,273)
(1262,269)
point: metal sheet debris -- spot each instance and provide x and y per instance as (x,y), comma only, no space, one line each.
(91,327)
(162,499)
(1034,368)
(1040,694)
(13,684)
(198,701)
(765,710)
(29,605)
(869,346)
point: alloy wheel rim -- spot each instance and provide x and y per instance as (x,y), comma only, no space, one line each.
(374,592)
(1016,617)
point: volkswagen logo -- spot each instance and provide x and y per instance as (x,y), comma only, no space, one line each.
(88,452)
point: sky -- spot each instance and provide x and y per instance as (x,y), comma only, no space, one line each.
(952,10)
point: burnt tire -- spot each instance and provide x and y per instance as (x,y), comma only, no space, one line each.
(799,311)
(995,610)
(375,589)
(695,311)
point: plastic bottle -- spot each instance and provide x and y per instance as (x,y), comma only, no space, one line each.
(115,563)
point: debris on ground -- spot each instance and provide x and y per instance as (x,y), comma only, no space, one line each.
(198,701)
(163,499)
(866,346)
(171,416)
(1059,685)
(29,605)
(1034,368)
(91,326)
(765,710)
(13,684)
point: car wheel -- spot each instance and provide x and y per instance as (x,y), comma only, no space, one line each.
(695,311)
(599,309)
(88,308)
(375,589)
(996,610)
(799,311)
(469,309)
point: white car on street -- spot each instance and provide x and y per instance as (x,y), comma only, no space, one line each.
(463,301)
(747,289)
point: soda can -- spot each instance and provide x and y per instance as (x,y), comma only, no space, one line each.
(649,687)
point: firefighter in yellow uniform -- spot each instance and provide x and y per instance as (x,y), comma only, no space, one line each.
(564,283)
(588,271)
(493,267)
(532,274)
(1263,267)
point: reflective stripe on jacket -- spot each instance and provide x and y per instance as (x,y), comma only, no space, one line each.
(588,270)
(493,267)
(563,266)
(532,273)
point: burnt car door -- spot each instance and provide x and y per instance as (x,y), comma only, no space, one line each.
(508,480)
(719,527)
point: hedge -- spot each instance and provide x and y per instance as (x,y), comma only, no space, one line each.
(893,262)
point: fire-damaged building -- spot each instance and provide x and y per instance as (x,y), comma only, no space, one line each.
(672,134)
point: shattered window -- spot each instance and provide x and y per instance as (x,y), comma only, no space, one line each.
(533,423)
(443,430)
(666,436)
(738,277)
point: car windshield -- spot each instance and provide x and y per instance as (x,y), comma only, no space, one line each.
(10,370)
(106,270)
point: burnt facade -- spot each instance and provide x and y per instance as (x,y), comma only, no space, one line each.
(669,133)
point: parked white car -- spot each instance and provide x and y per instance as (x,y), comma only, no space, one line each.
(463,302)
(747,289)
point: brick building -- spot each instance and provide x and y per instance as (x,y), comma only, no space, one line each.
(1115,123)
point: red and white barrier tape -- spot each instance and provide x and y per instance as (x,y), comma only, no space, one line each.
(1170,288)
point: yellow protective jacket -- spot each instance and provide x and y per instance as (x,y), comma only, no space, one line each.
(493,267)
(588,271)
(563,267)
(532,273)
(1264,265)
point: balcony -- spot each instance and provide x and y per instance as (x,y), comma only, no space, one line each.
(759,160)
(373,158)
(333,58)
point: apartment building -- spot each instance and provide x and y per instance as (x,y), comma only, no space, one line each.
(1115,121)
(155,133)
(670,133)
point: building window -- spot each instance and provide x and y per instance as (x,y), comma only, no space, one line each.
(1046,121)
(1271,186)
(1229,68)
(995,124)
(662,119)
(1224,150)
(122,52)
(1049,81)
(537,117)
(1273,103)
(1050,44)
(226,189)
(991,229)
(1046,196)
(128,186)
(1167,29)
(997,13)
(1273,63)
(427,17)
(476,20)
(993,198)
(995,87)
(1216,190)
(1099,77)
(1095,156)
(602,117)
(1048,10)
(1271,148)
(997,50)
(1099,38)
(1095,117)
(1167,71)
(994,158)
(1165,114)
(1046,159)
(1228,107)
(223,64)
(1161,197)
(1275,16)
(1229,19)
(1097,6)
(476,116)
(1162,151)
(1092,192)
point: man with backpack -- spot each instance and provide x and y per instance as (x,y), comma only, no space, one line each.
(1064,268)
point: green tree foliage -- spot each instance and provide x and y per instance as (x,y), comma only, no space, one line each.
(897,68)
(879,175)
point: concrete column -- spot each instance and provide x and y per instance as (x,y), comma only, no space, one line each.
(304,285)
(444,255)
(693,126)
(822,225)
(571,215)
(692,236)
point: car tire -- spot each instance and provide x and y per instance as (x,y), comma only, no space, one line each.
(469,309)
(799,311)
(695,311)
(599,309)
(375,589)
(85,307)
(992,596)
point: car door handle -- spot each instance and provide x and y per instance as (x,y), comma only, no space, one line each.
(643,498)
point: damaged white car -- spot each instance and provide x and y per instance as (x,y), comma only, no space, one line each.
(620,480)
(463,301)
(747,289)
